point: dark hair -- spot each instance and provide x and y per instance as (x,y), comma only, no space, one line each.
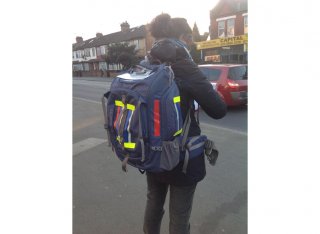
(165,26)
(161,26)
(180,27)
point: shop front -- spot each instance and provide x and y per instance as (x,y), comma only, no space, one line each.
(225,50)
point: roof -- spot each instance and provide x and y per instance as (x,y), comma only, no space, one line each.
(234,7)
(133,33)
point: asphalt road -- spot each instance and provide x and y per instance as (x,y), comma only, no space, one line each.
(107,200)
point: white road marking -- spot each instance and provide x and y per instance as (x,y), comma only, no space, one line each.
(86,100)
(92,83)
(210,126)
(87,144)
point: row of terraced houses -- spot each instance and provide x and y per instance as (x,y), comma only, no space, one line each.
(228,42)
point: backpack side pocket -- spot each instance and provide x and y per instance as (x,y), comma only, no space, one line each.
(170,154)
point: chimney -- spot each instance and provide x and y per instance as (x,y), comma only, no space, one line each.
(125,27)
(99,34)
(79,39)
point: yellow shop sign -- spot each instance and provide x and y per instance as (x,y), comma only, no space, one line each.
(227,41)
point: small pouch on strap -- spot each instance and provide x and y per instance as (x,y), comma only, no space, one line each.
(211,152)
(194,148)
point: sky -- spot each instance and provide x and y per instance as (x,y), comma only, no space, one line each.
(105,16)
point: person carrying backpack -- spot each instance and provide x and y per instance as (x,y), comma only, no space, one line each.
(173,36)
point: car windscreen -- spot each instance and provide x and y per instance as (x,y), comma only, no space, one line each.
(211,74)
(238,73)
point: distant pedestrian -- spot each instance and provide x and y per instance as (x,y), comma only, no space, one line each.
(173,37)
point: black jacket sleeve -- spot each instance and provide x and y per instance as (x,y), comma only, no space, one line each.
(194,82)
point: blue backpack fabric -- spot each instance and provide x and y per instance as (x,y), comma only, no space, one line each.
(144,122)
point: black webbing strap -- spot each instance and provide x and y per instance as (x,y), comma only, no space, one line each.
(186,128)
(105,115)
(140,136)
(142,171)
(124,164)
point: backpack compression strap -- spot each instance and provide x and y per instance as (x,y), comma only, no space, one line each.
(125,160)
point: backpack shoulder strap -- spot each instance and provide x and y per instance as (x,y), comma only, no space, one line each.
(186,128)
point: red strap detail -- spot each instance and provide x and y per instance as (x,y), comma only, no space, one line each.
(117,116)
(156,117)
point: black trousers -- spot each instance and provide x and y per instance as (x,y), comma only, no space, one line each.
(180,206)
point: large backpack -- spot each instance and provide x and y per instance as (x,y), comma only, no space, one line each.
(144,122)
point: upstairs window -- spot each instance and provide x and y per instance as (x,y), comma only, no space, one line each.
(102,49)
(98,51)
(87,52)
(245,20)
(230,28)
(221,26)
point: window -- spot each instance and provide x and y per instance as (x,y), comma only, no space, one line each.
(98,51)
(93,52)
(77,67)
(86,66)
(87,52)
(136,43)
(238,73)
(230,28)
(211,74)
(245,20)
(103,51)
(221,28)
(103,66)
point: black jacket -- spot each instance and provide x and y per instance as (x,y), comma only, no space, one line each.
(193,85)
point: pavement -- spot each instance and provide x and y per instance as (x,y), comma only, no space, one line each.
(107,200)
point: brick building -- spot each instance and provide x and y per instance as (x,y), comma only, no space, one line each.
(89,56)
(228,33)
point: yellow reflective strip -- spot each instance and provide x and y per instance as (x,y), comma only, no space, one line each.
(176,99)
(119,103)
(131,107)
(178,132)
(129,145)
